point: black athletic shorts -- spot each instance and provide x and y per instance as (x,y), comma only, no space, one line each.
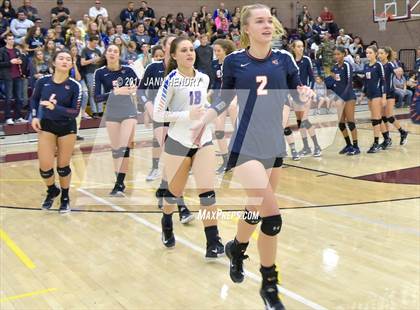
(390,95)
(173,147)
(236,159)
(159,124)
(119,119)
(59,128)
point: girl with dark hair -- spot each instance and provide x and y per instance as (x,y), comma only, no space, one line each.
(55,105)
(183,106)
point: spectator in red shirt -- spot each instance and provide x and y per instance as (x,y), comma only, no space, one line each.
(328,18)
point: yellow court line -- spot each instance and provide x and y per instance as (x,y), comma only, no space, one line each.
(27,294)
(17,250)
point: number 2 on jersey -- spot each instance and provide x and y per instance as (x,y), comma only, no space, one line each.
(195,97)
(261,90)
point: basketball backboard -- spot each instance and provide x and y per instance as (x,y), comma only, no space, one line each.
(393,10)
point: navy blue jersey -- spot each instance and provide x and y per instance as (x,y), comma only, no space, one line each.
(374,80)
(68,95)
(305,71)
(216,75)
(262,87)
(389,77)
(417,68)
(343,81)
(104,82)
(152,79)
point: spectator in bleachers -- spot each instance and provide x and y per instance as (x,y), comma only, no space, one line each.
(60,12)
(7,10)
(304,15)
(38,67)
(180,22)
(328,18)
(203,12)
(20,25)
(49,50)
(4,29)
(417,65)
(326,52)
(148,11)
(343,39)
(131,54)
(11,72)
(140,36)
(23,49)
(38,23)
(210,25)
(96,10)
(157,53)
(357,65)
(412,82)
(140,16)
(59,39)
(395,61)
(30,12)
(204,55)
(315,46)
(90,59)
(128,14)
(237,12)
(223,10)
(193,23)
(151,31)
(162,25)
(356,48)
(235,24)
(401,91)
(320,27)
(83,24)
(79,41)
(145,57)
(35,40)
(93,31)
(119,32)
(122,46)
(320,90)
(99,20)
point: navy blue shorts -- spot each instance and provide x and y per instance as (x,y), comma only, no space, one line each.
(59,128)
(374,95)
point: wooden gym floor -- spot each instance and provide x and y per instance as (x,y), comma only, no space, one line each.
(347,242)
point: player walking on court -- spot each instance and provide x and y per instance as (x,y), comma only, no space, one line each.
(307,78)
(221,48)
(385,57)
(342,84)
(374,89)
(117,85)
(152,80)
(257,145)
(181,101)
(55,105)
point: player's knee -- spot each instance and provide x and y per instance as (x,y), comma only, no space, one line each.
(271,225)
(170,198)
(376,122)
(384,119)
(46,174)
(155,143)
(219,134)
(287,131)
(207,198)
(342,126)
(306,124)
(251,217)
(351,125)
(115,153)
(124,152)
(64,171)
(391,119)
(299,123)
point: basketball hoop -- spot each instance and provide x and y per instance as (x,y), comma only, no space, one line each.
(382,19)
(382,23)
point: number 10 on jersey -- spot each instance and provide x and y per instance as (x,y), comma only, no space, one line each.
(195,97)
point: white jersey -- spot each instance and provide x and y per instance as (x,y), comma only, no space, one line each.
(173,101)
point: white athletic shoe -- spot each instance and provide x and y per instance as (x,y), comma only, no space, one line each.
(153,175)
(10,121)
(21,121)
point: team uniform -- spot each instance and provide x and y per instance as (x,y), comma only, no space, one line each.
(151,82)
(60,121)
(119,108)
(172,104)
(259,131)
(216,78)
(343,81)
(305,71)
(374,80)
(257,136)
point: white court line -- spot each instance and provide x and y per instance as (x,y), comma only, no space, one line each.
(196,248)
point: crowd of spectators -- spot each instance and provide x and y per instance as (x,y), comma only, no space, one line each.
(26,46)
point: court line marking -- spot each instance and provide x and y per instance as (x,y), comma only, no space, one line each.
(196,248)
(16,250)
(48,290)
